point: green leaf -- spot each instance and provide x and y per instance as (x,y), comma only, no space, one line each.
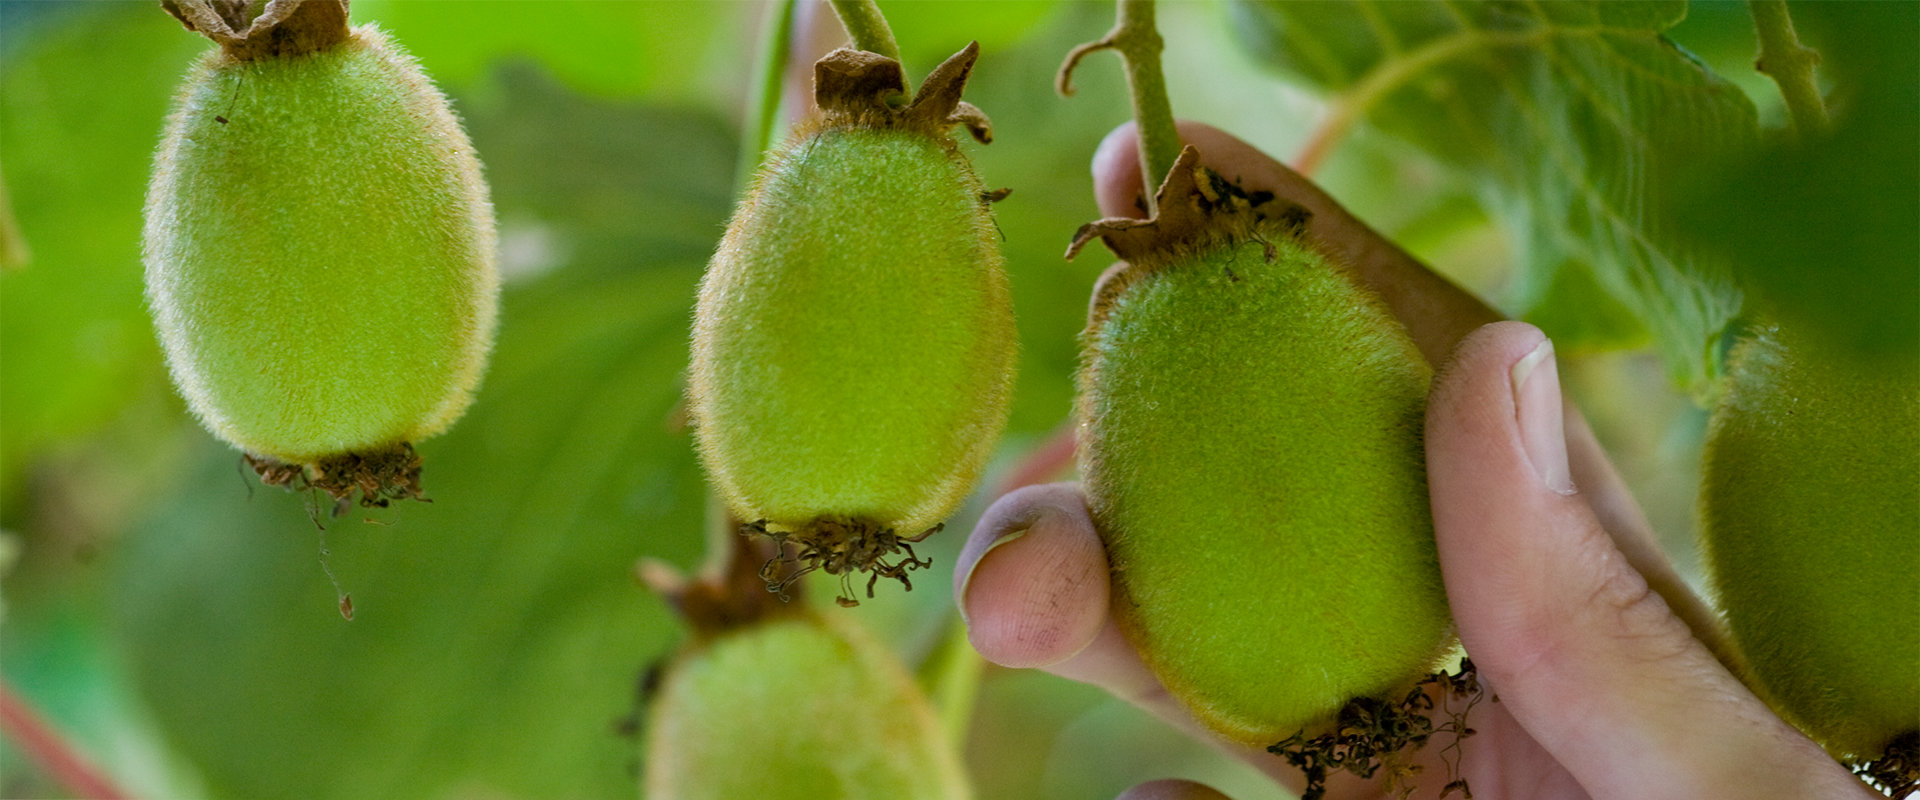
(931,30)
(1822,229)
(78,344)
(664,48)
(1567,115)
(497,631)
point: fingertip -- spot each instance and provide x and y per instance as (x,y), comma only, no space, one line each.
(1477,373)
(1032,579)
(1116,174)
(1171,789)
(1117,184)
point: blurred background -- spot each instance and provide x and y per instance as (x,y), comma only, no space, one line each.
(172,617)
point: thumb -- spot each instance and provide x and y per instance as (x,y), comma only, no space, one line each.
(1171,790)
(1564,630)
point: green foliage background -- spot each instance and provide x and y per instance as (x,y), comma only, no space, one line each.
(1614,172)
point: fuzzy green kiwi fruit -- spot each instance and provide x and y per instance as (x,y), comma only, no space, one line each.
(319,247)
(1252,456)
(1810,522)
(771,700)
(853,344)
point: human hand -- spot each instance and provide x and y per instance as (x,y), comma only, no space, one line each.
(1604,662)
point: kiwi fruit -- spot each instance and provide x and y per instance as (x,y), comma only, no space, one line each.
(853,344)
(1810,522)
(773,700)
(319,248)
(1251,446)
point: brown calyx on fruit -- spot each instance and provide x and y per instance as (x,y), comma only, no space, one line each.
(1371,733)
(1197,209)
(1897,771)
(282,29)
(380,476)
(723,596)
(838,546)
(853,87)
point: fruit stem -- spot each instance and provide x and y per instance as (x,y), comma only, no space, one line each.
(45,747)
(1139,44)
(951,678)
(763,100)
(13,246)
(722,535)
(1790,65)
(868,28)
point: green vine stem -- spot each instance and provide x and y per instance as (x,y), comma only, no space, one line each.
(763,100)
(1790,64)
(951,678)
(869,30)
(13,246)
(1139,44)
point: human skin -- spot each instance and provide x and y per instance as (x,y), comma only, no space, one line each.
(1603,660)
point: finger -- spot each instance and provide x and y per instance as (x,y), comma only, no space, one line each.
(1570,637)
(1435,312)
(1031,581)
(1171,790)
(1613,505)
(1032,584)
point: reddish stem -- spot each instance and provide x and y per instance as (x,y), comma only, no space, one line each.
(1319,145)
(54,755)
(1052,457)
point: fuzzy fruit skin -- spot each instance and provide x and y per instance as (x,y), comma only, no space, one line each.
(1251,445)
(798,708)
(1811,530)
(321,264)
(853,346)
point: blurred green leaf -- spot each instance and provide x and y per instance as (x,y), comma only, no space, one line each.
(498,634)
(931,30)
(78,343)
(497,631)
(680,51)
(1568,115)
(623,184)
(1822,229)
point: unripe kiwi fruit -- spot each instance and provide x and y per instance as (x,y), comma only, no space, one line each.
(1810,513)
(319,248)
(1251,449)
(853,345)
(773,701)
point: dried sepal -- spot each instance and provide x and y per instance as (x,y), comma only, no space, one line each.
(853,88)
(723,597)
(284,28)
(1198,209)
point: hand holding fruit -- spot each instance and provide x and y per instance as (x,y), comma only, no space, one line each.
(1603,661)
